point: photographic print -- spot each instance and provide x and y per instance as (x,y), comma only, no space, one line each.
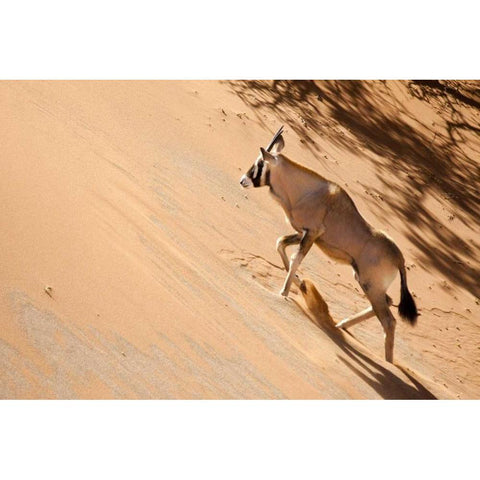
(230,239)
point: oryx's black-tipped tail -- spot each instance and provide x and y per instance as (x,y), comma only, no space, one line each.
(406,308)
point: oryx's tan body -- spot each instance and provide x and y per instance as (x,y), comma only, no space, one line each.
(322,207)
(321,212)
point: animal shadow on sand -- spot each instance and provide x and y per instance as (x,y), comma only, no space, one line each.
(383,381)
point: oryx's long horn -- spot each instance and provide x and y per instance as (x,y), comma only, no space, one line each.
(272,143)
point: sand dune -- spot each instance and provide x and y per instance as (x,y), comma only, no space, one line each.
(134,266)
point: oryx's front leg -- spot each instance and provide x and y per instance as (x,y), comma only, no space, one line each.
(306,243)
(282,244)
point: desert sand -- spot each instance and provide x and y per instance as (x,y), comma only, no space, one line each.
(132,264)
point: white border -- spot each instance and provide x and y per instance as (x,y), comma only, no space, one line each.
(213,39)
(238,440)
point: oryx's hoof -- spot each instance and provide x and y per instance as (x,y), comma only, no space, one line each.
(284,293)
(339,325)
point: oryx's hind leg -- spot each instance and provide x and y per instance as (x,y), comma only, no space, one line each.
(382,311)
(357,318)
(360,316)
(364,314)
(282,244)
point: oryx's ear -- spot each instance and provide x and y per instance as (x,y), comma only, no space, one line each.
(278,145)
(268,157)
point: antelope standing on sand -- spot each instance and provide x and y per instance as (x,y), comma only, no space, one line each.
(321,212)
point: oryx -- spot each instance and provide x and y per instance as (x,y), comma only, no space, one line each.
(321,212)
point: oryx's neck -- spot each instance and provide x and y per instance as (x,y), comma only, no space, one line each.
(290,182)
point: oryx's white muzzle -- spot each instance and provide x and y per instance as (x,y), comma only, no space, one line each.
(246,182)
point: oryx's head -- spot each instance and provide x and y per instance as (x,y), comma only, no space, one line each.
(259,173)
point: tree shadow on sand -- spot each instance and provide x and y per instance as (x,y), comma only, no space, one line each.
(383,381)
(437,160)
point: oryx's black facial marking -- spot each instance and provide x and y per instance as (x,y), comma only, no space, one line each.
(257,173)
(257,176)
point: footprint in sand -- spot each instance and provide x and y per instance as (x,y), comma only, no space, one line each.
(267,274)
